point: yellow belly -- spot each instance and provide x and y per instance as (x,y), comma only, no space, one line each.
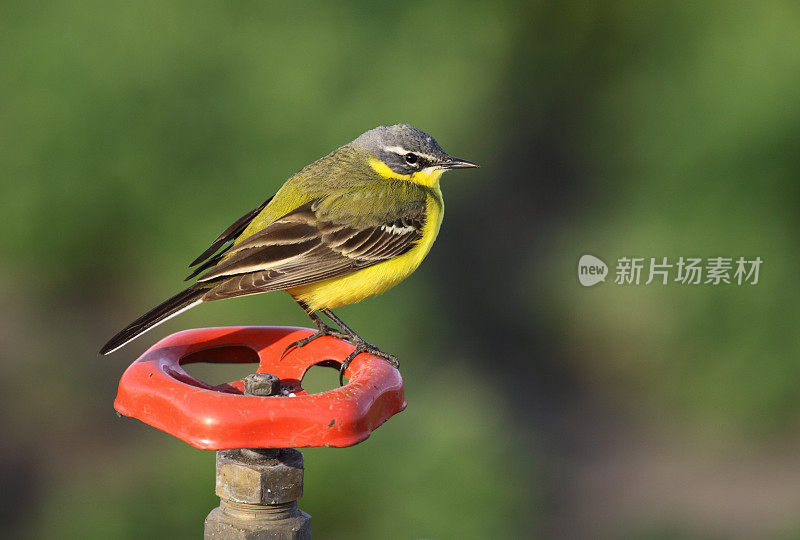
(377,279)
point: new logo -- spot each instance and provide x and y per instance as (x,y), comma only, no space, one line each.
(591,270)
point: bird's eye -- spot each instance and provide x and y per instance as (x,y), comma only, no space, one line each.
(411,158)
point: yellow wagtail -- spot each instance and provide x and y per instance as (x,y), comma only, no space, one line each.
(349,226)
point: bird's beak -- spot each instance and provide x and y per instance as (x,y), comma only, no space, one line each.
(456,163)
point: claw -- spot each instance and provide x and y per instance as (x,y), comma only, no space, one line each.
(361,347)
(326,331)
(345,333)
(346,363)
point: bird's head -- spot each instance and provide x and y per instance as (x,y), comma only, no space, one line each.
(404,152)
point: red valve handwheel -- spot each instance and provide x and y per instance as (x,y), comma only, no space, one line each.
(158,391)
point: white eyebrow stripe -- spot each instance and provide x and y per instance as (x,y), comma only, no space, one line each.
(399,150)
(396,149)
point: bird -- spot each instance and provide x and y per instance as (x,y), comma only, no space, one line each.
(349,226)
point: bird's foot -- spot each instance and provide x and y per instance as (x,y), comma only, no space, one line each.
(324,330)
(364,347)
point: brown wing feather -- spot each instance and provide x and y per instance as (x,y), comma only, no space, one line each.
(302,248)
(226,236)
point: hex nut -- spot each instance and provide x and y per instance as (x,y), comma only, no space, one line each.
(262,384)
(219,526)
(270,480)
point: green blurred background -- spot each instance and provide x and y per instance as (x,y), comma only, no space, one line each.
(132,133)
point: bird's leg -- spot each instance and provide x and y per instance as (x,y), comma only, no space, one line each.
(361,345)
(322,330)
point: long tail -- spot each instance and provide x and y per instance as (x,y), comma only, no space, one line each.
(179,303)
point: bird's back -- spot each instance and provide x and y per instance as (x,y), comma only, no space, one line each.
(347,190)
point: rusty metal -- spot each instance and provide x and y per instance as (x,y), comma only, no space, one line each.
(259,487)
(258,496)
(262,384)
(268,480)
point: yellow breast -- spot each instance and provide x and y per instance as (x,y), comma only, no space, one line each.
(361,284)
